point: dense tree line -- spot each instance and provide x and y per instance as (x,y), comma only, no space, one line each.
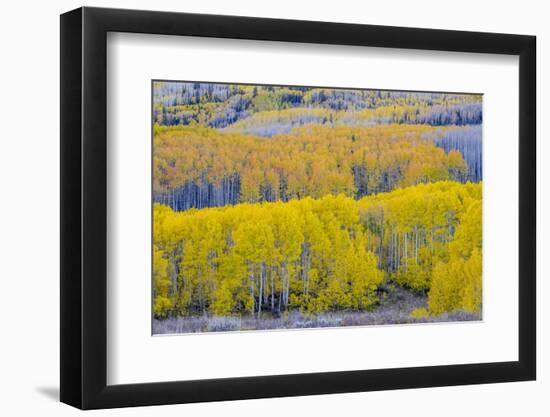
(270,199)
(225,105)
(456,281)
(269,123)
(202,193)
(319,255)
(468,142)
(196,167)
(414,226)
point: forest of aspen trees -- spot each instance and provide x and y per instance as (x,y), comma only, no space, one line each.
(296,207)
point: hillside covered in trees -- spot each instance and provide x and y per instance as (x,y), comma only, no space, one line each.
(279,206)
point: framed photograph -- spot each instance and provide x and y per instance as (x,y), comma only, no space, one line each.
(256,208)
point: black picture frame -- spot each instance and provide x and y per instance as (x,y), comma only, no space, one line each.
(84,207)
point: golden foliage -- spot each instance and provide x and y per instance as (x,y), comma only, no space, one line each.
(387,156)
(322,254)
(457,282)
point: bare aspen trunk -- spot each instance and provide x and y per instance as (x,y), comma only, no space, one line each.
(252,296)
(391,261)
(272,290)
(405,253)
(261,291)
(416,245)
(283,286)
(380,246)
(368,240)
(398,249)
